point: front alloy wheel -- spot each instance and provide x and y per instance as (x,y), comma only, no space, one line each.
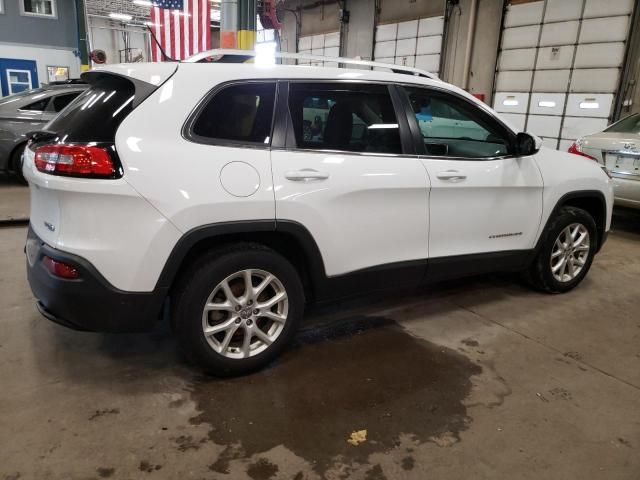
(245,313)
(570,252)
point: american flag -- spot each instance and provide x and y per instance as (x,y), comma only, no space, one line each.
(182,27)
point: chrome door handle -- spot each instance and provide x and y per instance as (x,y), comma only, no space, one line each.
(305,174)
(452,175)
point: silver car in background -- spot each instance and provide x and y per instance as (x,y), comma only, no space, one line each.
(617,148)
(28,111)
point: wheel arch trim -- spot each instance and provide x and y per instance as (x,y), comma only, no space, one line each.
(579,195)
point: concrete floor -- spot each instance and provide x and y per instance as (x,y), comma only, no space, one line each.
(476,379)
(14,199)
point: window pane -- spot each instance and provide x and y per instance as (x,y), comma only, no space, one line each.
(40,105)
(354,118)
(62,101)
(43,7)
(241,113)
(452,127)
(18,77)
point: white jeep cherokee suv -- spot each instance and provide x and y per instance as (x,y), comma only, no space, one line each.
(233,194)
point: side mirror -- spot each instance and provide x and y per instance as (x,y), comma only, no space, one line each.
(527,144)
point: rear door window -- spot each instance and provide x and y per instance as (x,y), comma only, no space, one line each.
(346,117)
(61,101)
(238,114)
(38,106)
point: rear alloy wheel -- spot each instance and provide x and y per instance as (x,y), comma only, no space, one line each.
(245,313)
(237,308)
(565,251)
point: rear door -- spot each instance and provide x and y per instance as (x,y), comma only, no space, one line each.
(347,174)
(483,198)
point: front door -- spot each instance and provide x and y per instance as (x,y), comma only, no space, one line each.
(347,178)
(483,199)
(17,76)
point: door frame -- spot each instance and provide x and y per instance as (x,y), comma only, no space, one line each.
(9,64)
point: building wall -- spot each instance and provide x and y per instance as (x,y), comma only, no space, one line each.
(49,32)
(43,56)
(107,35)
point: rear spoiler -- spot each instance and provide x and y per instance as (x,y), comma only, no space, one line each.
(146,77)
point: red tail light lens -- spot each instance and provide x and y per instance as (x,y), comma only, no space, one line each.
(577,150)
(75,161)
(60,269)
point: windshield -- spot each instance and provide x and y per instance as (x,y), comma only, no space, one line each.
(630,124)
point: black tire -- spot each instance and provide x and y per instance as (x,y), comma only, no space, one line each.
(539,273)
(196,284)
(15,163)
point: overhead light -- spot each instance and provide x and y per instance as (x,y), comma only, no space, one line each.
(546,103)
(151,24)
(510,102)
(120,16)
(144,3)
(589,103)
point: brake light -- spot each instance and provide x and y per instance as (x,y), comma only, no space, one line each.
(576,149)
(74,160)
(60,269)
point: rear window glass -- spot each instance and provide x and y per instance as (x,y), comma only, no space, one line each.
(239,114)
(630,124)
(95,115)
(61,101)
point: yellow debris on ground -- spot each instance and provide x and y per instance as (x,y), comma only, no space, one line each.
(357,437)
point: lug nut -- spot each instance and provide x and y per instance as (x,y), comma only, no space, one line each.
(249,322)
(238,320)
(250,302)
(238,308)
(256,311)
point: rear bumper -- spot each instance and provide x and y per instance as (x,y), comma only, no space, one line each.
(626,191)
(89,302)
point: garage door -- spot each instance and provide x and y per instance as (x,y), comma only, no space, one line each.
(416,43)
(559,66)
(327,45)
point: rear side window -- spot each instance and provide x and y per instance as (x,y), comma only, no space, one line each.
(96,114)
(61,101)
(347,117)
(38,106)
(238,114)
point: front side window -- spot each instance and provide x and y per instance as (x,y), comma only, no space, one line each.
(44,8)
(347,117)
(239,114)
(451,127)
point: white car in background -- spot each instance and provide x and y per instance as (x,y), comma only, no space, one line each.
(617,148)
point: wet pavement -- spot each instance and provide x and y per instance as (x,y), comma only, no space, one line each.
(478,378)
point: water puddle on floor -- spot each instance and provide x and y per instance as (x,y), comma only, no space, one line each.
(364,373)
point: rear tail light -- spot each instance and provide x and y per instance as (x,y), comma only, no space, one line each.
(576,149)
(75,161)
(60,269)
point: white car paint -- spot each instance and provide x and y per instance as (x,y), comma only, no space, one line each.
(367,210)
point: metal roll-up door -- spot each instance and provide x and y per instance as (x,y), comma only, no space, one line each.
(559,66)
(416,43)
(324,44)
